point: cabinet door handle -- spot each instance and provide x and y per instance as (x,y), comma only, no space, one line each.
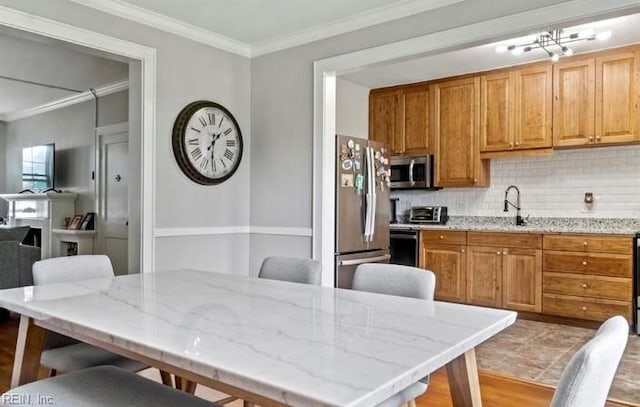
(597,138)
(590,138)
(517,143)
(498,253)
(584,308)
(584,263)
(585,243)
(462,250)
(441,237)
(584,285)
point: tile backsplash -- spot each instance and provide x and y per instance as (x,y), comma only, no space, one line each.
(550,186)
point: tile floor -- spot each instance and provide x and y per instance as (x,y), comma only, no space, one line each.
(539,351)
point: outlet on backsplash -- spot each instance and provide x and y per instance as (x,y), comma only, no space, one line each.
(461,206)
(589,202)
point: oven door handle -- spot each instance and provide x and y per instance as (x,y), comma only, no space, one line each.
(404,237)
(362,261)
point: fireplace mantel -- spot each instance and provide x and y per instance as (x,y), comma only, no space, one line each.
(45,211)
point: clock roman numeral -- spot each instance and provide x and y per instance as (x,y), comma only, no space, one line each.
(204,163)
(223,164)
(221,120)
(212,118)
(231,143)
(228,131)
(229,154)
(215,167)
(194,129)
(196,154)
(202,121)
(193,141)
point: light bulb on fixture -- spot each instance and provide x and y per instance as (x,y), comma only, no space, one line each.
(602,36)
(566,51)
(554,57)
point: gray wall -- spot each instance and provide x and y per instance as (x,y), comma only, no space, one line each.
(186,71)
(72,130)
(4,205)
(282,87)
(352,109)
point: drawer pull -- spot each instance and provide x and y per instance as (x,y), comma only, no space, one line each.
(584,308)
(441,237)
(585,243)
(584,263)
(584,285)
(498,253)
(462,250)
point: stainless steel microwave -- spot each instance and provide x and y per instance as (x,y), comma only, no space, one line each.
(412,172)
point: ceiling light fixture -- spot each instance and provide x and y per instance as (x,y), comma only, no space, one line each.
(553,42)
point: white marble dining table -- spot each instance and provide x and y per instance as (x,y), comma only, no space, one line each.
(271,342)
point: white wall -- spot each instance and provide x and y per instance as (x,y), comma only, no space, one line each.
(186,71)
(550,186)
(72,130)
(352,109)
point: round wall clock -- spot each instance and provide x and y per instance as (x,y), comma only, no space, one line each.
(207,142)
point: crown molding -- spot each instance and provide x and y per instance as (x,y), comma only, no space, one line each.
(168,24)
(64,102)
(353,23)
(161,22)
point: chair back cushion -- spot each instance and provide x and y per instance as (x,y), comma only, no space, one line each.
(13,233)
(71,268)
(295,270)
(393,279)
(587,378)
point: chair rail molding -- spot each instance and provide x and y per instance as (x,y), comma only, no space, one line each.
(324,88)
(147,57)
(232,230)
(67,101)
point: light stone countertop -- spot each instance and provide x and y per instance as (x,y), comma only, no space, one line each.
(622,226)
(298,344)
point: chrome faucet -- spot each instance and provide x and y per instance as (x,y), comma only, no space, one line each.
(519,220)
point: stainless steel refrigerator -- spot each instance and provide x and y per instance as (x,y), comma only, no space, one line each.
(362,206)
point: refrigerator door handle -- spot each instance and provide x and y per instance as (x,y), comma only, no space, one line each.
(362,261)
(374,196)
(367,197)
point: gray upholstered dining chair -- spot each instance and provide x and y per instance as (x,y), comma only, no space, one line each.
(293,269)
(402,281)
(101,386)
(587,378)
(64,354)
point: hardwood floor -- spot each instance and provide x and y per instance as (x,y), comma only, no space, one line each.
(497,390)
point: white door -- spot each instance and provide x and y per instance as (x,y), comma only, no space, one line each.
(112,197)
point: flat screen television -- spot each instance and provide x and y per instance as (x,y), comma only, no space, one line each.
(38,167)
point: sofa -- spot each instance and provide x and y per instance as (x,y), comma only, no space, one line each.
(16,259)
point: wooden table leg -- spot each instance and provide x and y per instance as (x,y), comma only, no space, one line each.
(185,385)
(167,380)
(463,380)
(28,350)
